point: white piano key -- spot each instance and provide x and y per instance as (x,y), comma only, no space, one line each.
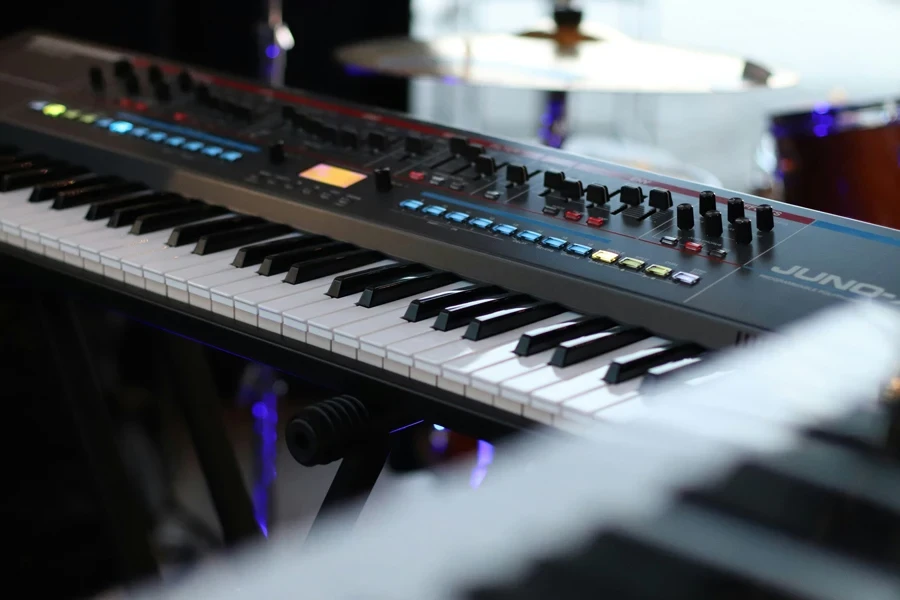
(377,343)
(200,287)
(15,197)
(520,389)
(485,355)
(404,350)
(299,318)
(623,412)
(586,405)
(488,380)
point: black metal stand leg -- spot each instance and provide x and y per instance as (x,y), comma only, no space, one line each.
(127,521)
(203,416)
(353,483)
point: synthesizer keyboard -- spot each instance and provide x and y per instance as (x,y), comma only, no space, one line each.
(502,279)
(768,483)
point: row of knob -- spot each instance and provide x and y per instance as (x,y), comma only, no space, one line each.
(125,72)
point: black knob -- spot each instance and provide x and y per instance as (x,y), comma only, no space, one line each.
(154,74)
(377,141)
(684,217)
(712,223)
(743,231)
(765,217)
(185,82)
(201,93)
(597,194)
(553,180)
(383,181)
(707,202)
(572,189)
(735,210)
(458,145)
(122,68)
(162,91)
(485,165)
(631,196)
(132,85)
(328,134)
(517,174)
(661,199)
(473,151)
(97,80)
(414,144)
(276,152)
(347,138)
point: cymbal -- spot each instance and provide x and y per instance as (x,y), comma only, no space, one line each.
(586,58)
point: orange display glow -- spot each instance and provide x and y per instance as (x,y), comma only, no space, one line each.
(330,175)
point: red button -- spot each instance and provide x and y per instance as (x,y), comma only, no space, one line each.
(596,221)
(693,246)
(416,175)
(573,215)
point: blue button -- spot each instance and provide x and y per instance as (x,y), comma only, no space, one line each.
(529,236)
(140,131)
(156,136)
(231,155)
(578,249)
(212,151)
(552,242)
(412,204)
(175,141)
(193,146)
(456,217)
(37,105)
(103,122)
(481,223)
(434,211)
(121,126)
(504,229)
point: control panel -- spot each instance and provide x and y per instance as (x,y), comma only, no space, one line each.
(552,224)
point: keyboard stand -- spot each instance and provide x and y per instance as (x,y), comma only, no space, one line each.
(352,484)
(128,522)
(195,396)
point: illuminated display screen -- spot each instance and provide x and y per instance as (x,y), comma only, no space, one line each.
(341,178)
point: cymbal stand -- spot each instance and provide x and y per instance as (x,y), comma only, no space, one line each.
(275,41)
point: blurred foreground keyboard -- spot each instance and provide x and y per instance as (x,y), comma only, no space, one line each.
(773,482)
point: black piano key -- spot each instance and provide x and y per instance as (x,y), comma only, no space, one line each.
(41,175)
(819,493)
(663,373)
(461,314)
(354,283)
(235,238)
(191,234)
(404,288)
(575,351)
(27,161)
(637,364)
(551,336)
(105,208)
(430,306)
(315,247)
(169,219)
(507,319)
(871,430)
(317,268)
(126,216)
(49,191)
(88,195)
(257,253)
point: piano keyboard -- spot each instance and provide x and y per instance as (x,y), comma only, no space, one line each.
(514,351)
(762,483)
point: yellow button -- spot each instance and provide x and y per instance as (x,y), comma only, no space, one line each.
(72,113)
(659,271)
(631,263)
(88,118)
(54,110)
(605,256)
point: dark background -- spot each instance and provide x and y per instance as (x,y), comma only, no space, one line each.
(222,35)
